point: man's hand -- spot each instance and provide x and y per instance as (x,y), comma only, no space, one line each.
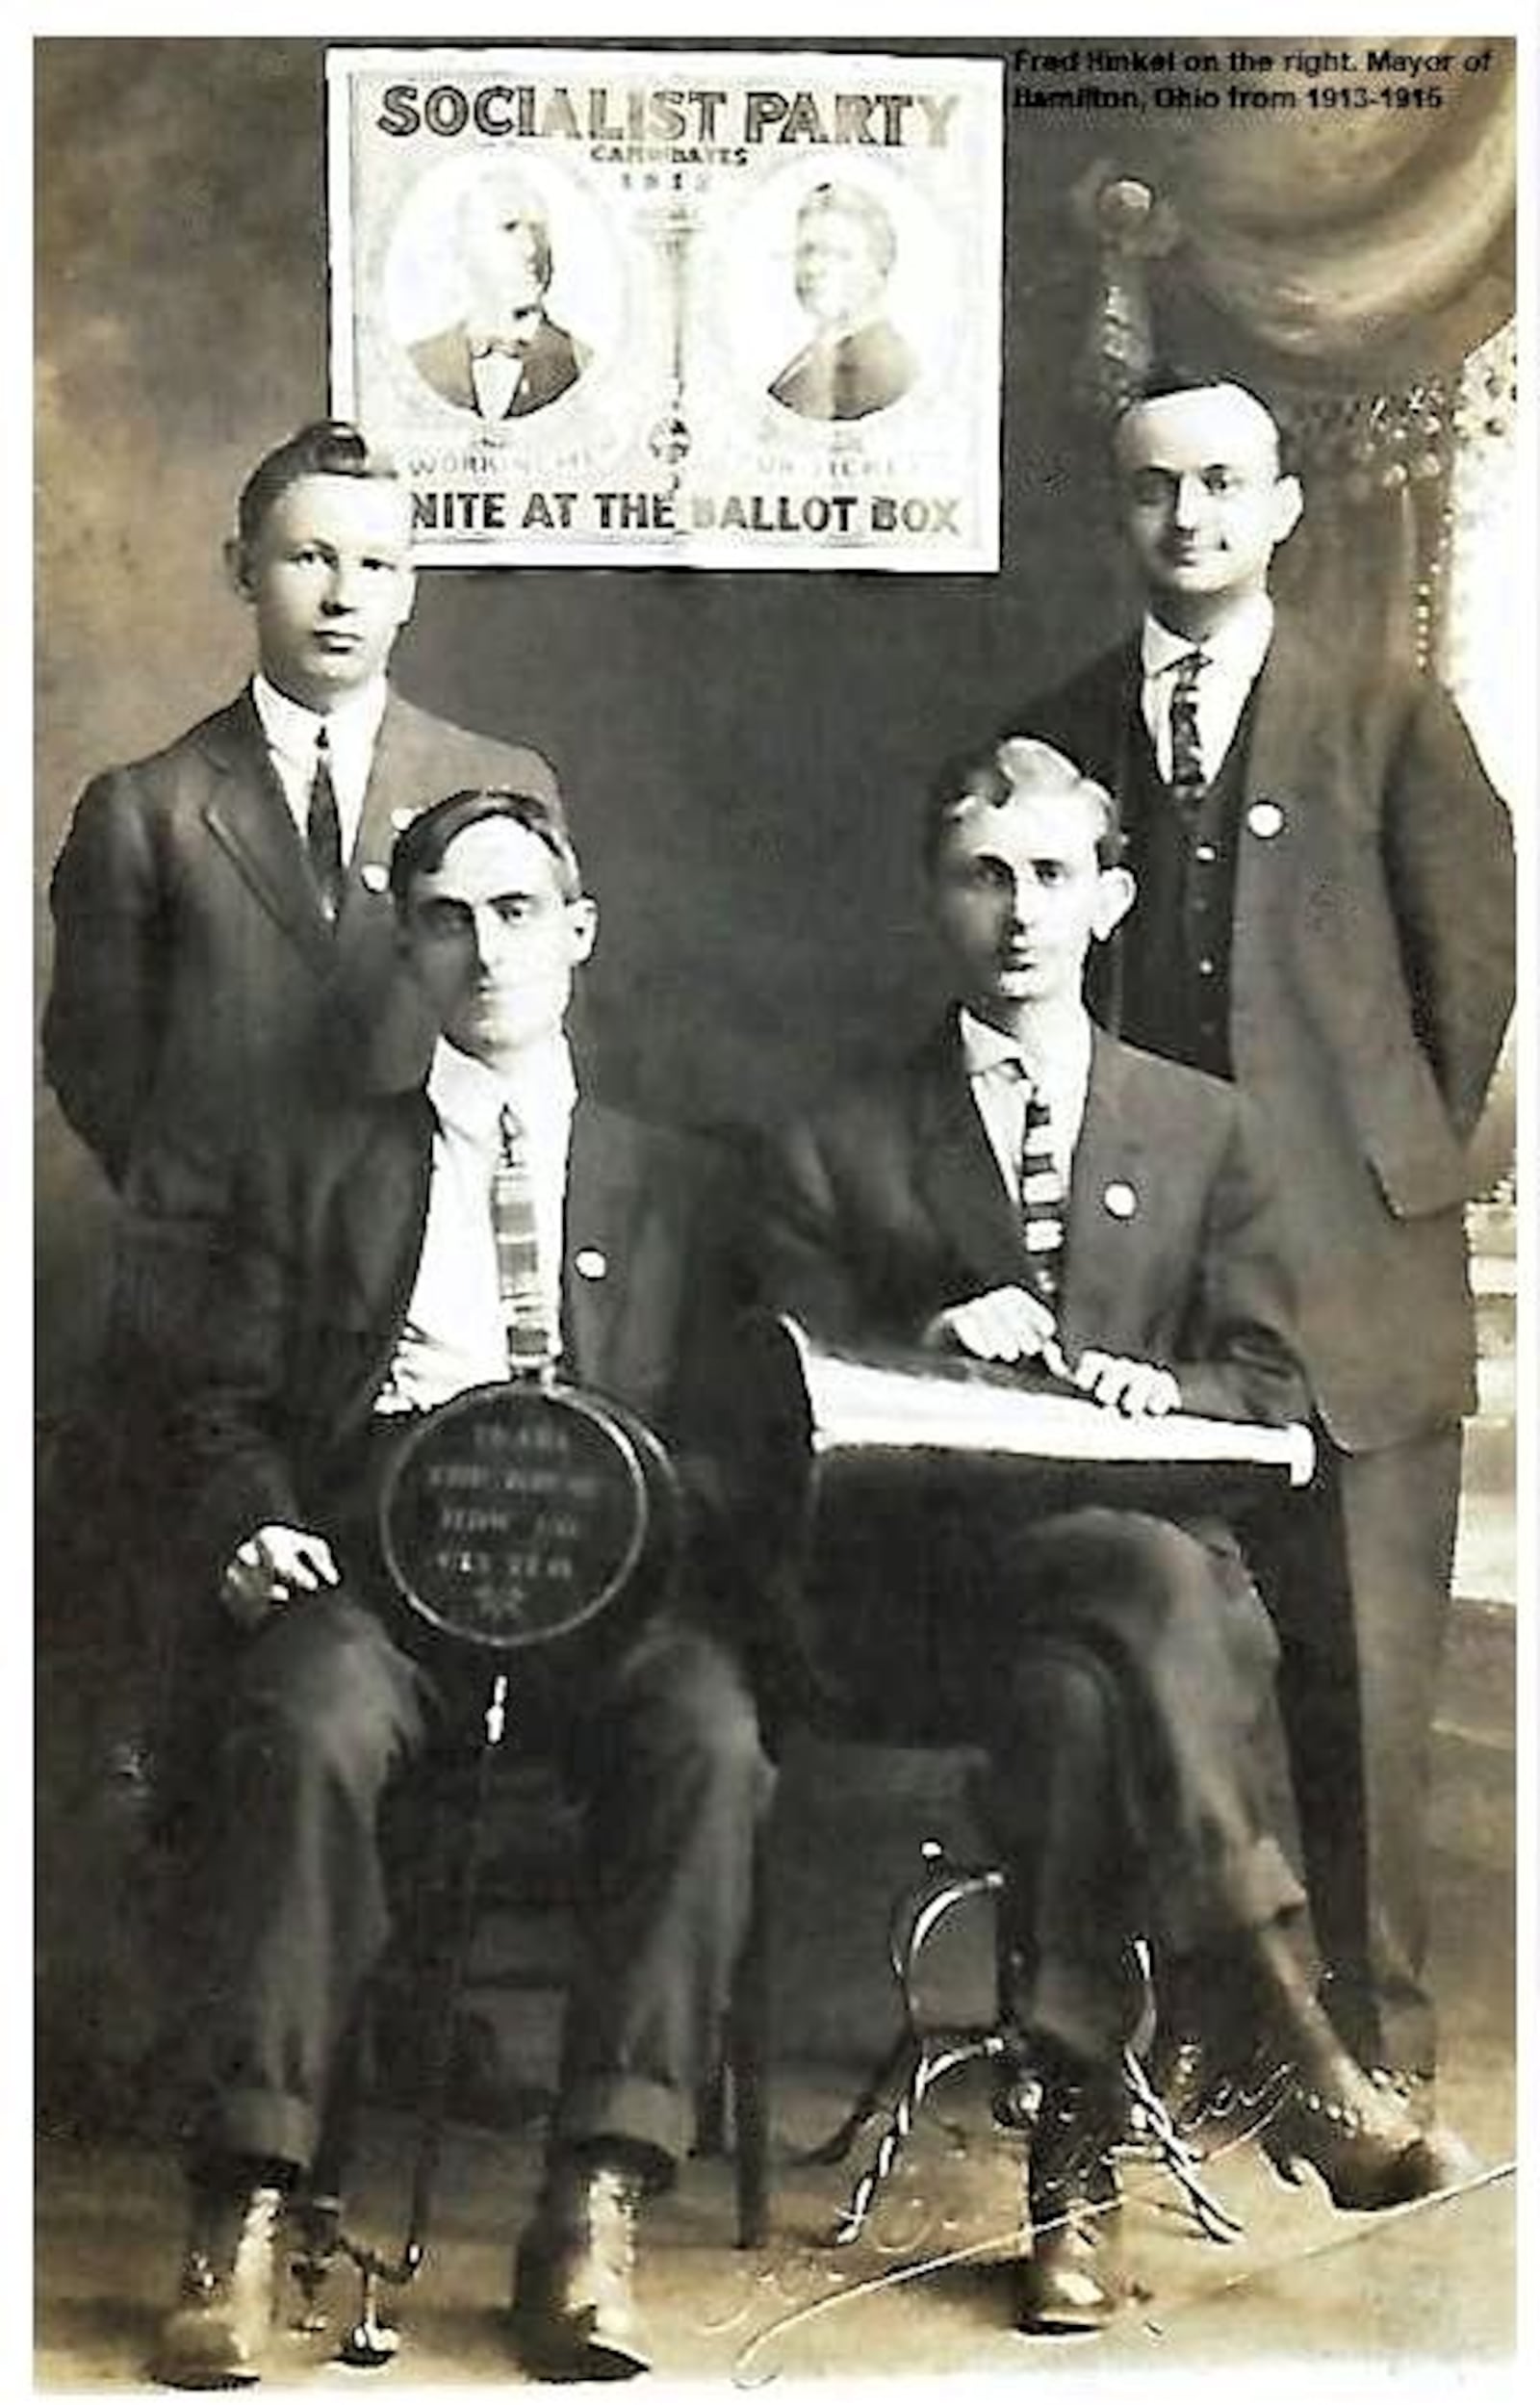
(1139,1388)
(1004,1325)
(274,1565)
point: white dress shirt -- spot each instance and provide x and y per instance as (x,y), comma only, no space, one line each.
(350,733)
(496,376)
(1234,653)
(995,1064)
(454,1332)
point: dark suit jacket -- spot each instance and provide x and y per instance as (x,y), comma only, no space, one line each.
(1372,978)
(889,1205)
(552,365)
(883,1208)
(318,1274)
(195,973)
(851,377)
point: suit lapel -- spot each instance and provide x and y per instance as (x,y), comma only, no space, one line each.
(384,1209)
(247,813)
(956,1169)
(600,1230)
(1107,1194)
(1290,758)
(398,788)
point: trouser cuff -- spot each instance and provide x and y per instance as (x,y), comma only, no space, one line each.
(256,2122)
(636,2112)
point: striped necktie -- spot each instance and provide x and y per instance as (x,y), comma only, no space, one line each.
(1041,1198)
(324,831)
(521,1288)
(1188,781)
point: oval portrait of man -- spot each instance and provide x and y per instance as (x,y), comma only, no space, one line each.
(490,283)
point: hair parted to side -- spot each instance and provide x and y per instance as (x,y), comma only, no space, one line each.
(420,847)
(1164,378)
(1014,770)
(329,447)
(850,200)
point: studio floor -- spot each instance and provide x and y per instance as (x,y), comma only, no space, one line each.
(1331,2303)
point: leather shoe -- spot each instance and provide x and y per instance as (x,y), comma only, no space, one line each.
(1361,2136)
(215,2335)
(1069,2281)
(1447,2161)
(574,2310)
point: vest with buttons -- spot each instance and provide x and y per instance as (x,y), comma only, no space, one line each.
(1174,946)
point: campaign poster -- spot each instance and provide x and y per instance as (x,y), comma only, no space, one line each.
(713,309)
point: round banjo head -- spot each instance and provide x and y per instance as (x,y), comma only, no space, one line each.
(514,1513)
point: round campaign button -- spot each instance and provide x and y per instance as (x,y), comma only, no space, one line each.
(590,1262)
(375,877)
(1121,1199)
(1265,820)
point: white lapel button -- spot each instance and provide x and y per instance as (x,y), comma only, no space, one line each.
(401,820)
(1265,820)
(590,1263)
(1120,1200)
(375,878)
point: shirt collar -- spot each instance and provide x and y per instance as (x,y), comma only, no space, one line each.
(1238,644)
(468,1097)
(985,1048)
(291,730)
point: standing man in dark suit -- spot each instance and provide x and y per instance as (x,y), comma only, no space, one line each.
(364,1286)
(1028,1190)
(221,907)
(1325,916)
(507,357)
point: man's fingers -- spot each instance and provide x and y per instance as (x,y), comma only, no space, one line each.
(276,1564)
(1139,1388)
(1004,1325)
(312,1565)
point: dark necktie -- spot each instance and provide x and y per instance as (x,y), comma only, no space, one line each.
(1041,1197)
(1188,781)
(516,1235)
(324,832)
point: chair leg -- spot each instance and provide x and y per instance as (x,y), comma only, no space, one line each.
(749,2063)
(711,2105)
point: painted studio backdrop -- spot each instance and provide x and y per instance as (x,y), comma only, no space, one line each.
(744,754)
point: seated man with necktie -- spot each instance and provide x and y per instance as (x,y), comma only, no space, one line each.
(1026,1190)
(391,1248)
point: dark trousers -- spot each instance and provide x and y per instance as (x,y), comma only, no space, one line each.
(1124,1684)
(1358,1573)
(325,1715)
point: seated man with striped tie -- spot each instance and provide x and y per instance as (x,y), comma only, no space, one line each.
(388,1251)
(1027,1190)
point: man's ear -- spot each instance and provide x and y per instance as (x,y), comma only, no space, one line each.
(237,568)
(1115,899)
(583,916)
(1288,507)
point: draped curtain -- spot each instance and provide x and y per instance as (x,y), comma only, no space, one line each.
(1352,264)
